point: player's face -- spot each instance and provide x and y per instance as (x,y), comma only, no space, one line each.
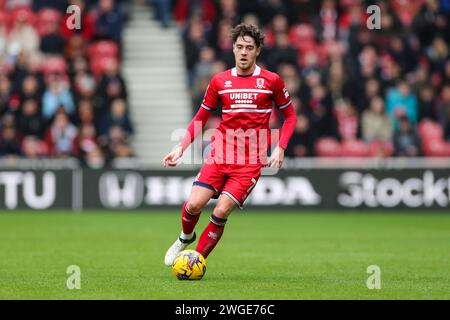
(245,52)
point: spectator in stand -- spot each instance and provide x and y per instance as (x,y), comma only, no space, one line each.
(85,113)
(223,43)
(270,8)
(34,148)
(372,88)
(406,140)
(337,81)
(426,22)
(279,24)
(446,72)
(163,12)
(282,52)
(23,37)
(427,103)
(438,53)
(30,121)
(291,78)
(375,124)
(122,150)
(56,96)
(320,113)
(59,5)
(84,86)
(194,39)
(185,9)
(117,117)
(109,21)
(8,120)
(112,86)
(52,42)
(76,49)
(443,109)
(5,94)
(203,67)
(328,20)
(347,120)
(9,144)
(402,53)
(115,137)
(31,88)
(28,65)
(368,63)
(94,159)
(301,143)
(400,100)
(229,11)
(87,139)
(3,36)
(61,136)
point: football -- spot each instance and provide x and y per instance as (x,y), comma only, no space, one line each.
(189,265)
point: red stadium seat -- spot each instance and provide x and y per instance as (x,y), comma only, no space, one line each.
(327,147)
(329,47)
(100,64)
(4,18)
(106,49)
(54,65)
(383,149)
(428,129)
(301,32)
(436,148)
(45,17)
(23,12)
(304,58)
(354,148)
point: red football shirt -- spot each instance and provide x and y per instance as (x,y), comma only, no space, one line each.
(247,102)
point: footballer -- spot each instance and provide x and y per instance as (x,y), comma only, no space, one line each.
(233,166)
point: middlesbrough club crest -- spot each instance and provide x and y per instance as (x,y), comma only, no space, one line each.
(260,83)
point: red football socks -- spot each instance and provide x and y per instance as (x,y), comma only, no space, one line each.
(188,220)
(211,236)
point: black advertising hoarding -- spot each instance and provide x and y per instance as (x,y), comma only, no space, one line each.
(77,189)
(321,189)
(37,189)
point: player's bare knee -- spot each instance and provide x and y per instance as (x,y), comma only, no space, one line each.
(222,211)
(194,205)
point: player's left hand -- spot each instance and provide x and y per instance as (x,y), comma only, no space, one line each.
(277,157)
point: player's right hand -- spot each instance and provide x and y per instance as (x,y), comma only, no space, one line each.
(171,159)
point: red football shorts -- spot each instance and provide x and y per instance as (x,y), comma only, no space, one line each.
(235,181)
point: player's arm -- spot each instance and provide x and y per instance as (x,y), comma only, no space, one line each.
(195,127)
(193,130)
(287,129)
(284,104)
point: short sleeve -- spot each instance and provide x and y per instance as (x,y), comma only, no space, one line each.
(280,94)
(211,99)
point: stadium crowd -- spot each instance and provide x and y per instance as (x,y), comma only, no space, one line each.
(357,91)
(61,91)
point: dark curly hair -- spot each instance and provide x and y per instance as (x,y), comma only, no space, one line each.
(250,30)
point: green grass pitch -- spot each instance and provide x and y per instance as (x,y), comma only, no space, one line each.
(261,256)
